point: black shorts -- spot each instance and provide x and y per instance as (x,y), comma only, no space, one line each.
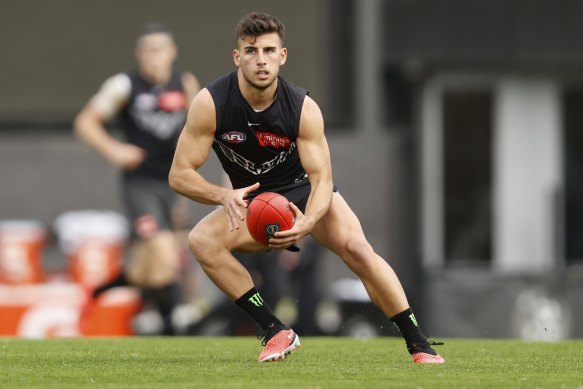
(296,193)
(148,200)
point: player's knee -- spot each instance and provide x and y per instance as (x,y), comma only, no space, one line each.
(195,241)
(360,253)
(359,248)
(199,243)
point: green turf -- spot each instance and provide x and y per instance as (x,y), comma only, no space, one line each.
(191,362)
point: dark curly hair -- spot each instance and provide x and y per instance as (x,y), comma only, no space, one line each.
(258,23)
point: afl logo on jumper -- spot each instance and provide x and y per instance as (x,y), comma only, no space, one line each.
(146,102)
(234,137)
(271,229)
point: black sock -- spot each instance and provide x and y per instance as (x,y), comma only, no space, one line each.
(120,280)
(167,298)
(415,339)
(253,305)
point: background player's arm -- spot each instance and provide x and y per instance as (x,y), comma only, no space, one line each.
(315,157)
(192,151)
(89,125)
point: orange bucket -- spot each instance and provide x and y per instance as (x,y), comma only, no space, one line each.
(96,262)
(94,243)
(111,314)
(21,246)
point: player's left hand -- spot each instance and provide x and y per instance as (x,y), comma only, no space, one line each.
(234,203)
(303,226)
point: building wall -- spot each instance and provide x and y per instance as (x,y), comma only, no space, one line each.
(56,53)
(520,34)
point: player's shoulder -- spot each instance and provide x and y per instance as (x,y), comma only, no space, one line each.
(203,101)
(202,113)
(190,83)
(223,88)
(311,117)
(292,88)
(119,83)
(120,77)
(188,77)
(113,94)
(224,81)
(310,106)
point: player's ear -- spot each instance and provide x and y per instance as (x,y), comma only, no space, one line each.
(236,57)
(283,54)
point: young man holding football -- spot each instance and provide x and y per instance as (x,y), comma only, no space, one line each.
(269,136)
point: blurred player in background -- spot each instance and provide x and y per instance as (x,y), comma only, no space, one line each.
(269,136)
(151,103)
(301,268)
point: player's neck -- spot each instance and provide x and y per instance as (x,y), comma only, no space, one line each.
(258,98)
(156,77)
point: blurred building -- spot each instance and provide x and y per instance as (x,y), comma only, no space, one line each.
(492,91)
(460,118)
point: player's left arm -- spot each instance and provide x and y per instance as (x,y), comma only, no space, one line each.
(315,157)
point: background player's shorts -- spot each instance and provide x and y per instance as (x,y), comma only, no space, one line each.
(148,204)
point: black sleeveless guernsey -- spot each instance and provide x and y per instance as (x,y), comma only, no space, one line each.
(258,146)
(153,120)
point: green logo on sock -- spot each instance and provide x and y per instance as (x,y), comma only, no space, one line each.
(413,319)
(256,300)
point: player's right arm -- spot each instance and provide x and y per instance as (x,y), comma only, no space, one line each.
(89,125)
(192,151)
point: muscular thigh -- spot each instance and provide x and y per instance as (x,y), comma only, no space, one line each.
(215,228)
(339,226)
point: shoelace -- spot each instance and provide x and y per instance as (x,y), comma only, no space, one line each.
(267,334)
(263,338)
(420,347)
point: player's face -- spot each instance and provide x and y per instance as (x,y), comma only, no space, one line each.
(155,54)
(259,59)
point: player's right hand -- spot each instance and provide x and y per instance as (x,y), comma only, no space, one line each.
(234,204)
(126,156)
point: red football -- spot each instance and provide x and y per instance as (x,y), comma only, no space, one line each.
(268,213)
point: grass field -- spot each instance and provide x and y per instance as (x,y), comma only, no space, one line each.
(191,362)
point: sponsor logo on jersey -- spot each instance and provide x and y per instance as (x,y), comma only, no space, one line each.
(162,122)
(234,137)
(254,167)
(172,101)
(267,139)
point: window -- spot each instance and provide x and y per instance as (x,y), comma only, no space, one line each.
(467,137)
(573,165)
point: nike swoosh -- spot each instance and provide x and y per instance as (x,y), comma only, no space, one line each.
(252,124)
(290,336)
